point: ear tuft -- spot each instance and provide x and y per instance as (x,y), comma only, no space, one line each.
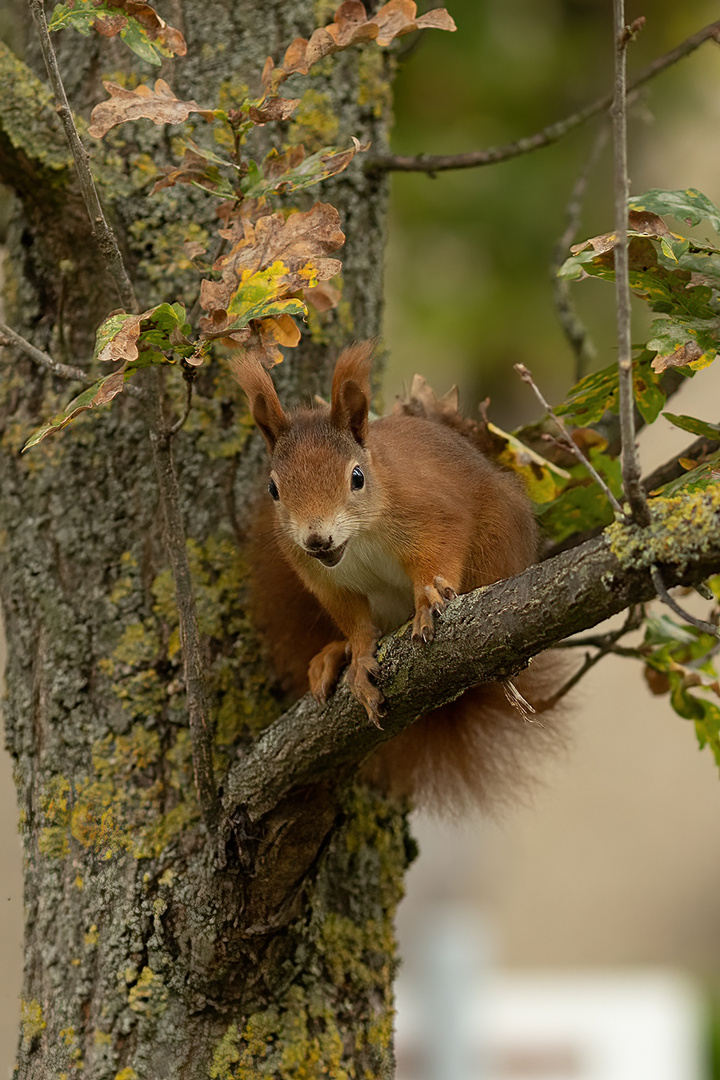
(351,389)
(265,405)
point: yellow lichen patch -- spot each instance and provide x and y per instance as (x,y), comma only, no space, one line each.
(69,1037)
(374,88)
(682,528)
(126,1074)
(56,812)
(314,123)
(91,938)
(31,1020)
(124,585)
(148,996)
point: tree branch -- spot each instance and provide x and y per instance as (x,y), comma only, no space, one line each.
(433,163)
(489,634)
(573,327)
(63,371)
(629,454)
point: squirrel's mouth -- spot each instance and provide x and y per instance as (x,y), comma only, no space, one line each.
(329,558)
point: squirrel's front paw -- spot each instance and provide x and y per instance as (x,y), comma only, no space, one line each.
(369,695)
(430,603)
(324,670)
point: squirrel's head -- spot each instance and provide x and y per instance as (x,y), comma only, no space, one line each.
(320,468)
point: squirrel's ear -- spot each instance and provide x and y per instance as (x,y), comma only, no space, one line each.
(351,390)
(350,410)
(264,403)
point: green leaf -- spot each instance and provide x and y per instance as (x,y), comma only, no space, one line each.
(695,427)
(293,171)
(647,387)
(136,39)
(690,205)
(137,23)
(100,393)
(582,506)
(700,478)
(591,398)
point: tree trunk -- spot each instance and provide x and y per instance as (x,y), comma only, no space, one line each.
(148,953)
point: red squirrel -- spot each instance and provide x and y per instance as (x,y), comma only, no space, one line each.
(369,524)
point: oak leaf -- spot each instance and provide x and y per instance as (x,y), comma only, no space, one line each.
(351,26)
(159,105)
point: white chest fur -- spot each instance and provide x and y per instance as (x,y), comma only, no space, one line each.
(367,567)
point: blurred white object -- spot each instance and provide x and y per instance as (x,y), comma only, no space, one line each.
(459,1019)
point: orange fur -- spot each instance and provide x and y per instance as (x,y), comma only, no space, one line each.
(376,523)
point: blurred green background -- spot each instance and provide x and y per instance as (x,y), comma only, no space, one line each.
(469,289)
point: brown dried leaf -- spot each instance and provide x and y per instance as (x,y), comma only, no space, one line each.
(109,25)
(159,105)
(349,27)
(123,345)
(681,355)
(323,296)
(644,221)
(193,249)
(282,329)
(301,239)
(275,108)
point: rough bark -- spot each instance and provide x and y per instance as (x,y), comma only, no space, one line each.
(144,956)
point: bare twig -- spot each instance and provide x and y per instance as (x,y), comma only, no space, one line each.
(605,644)
(63,371)
(42,358)
(700,624)
(102,232)
(526,376)
(195,685)
(180,422)
(574,328)
(432,163)
(630,460)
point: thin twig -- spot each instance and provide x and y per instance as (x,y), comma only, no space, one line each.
(631,473)
(526,376)
(571,323)
(195,685)
(605,644)
(102,232)
(180,422)
(700,624)
(42,358)
(432,163)
(63,371)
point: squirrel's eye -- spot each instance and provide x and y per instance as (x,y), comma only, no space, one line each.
(272,488)
(357,480)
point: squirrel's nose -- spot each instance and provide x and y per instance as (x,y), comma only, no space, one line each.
(315,542)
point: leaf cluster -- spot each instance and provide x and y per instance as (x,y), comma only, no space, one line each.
(267,264)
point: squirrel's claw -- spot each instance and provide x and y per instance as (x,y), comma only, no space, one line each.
(368,694)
